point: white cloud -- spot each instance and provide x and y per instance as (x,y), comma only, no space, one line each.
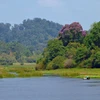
(50,3)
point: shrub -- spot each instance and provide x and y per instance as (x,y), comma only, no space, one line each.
(96,60)
(57,62)
(49,66)
(86,63)
(40,66)
(69,63)
(82,53)
(74,45)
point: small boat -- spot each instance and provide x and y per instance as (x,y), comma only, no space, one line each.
(86,78)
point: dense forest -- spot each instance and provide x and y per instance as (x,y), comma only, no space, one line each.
(73,47)
(20,42)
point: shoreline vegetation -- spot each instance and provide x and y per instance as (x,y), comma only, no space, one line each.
(28,70)
(74,52)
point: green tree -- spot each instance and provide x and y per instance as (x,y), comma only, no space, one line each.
(56,63)
(71,49)
(96,60)
(71,33)
(82,53)
(93,38)
(55,48)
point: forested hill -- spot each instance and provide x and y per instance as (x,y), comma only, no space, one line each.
(32,33)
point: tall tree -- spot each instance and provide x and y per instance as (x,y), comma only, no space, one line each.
(71,32)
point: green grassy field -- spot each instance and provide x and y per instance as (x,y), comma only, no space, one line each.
(28,70)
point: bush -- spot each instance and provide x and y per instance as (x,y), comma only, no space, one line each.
(69,63)
(96,60)
(49,66)
(86,63)
(82,53)
(57,62)
(74,45)
(41,64)
(71,49)
(4,61)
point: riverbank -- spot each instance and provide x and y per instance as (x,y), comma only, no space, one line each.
(75,73)
(29,71)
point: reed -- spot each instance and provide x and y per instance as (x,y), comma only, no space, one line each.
(75,72)
(29,71)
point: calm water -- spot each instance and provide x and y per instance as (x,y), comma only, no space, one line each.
(49,88)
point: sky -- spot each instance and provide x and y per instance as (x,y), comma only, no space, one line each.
(86,12)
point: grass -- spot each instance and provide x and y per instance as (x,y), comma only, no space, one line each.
(4,73)
(28,70)
(17,70)
(75,72)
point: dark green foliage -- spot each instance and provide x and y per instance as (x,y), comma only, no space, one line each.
(88,41)
(41,64)
(95,31)
(87,63)
(57,62)
(82,53)
(6,59)
(71,49)
(5,32)
(93,39)
(19,51)
(77,48)
(55,48)
(31,33)
(96,60)
(13,52)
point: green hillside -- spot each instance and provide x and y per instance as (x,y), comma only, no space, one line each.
(24,42)
(31,33)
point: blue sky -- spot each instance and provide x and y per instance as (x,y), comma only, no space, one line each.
(86,12)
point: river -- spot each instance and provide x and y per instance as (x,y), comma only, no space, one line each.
(49,88)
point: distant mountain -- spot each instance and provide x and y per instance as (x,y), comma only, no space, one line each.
(31,33)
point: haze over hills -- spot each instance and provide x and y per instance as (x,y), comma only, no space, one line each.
(33,33)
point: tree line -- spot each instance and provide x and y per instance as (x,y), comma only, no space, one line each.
(20,42)
(35,32)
